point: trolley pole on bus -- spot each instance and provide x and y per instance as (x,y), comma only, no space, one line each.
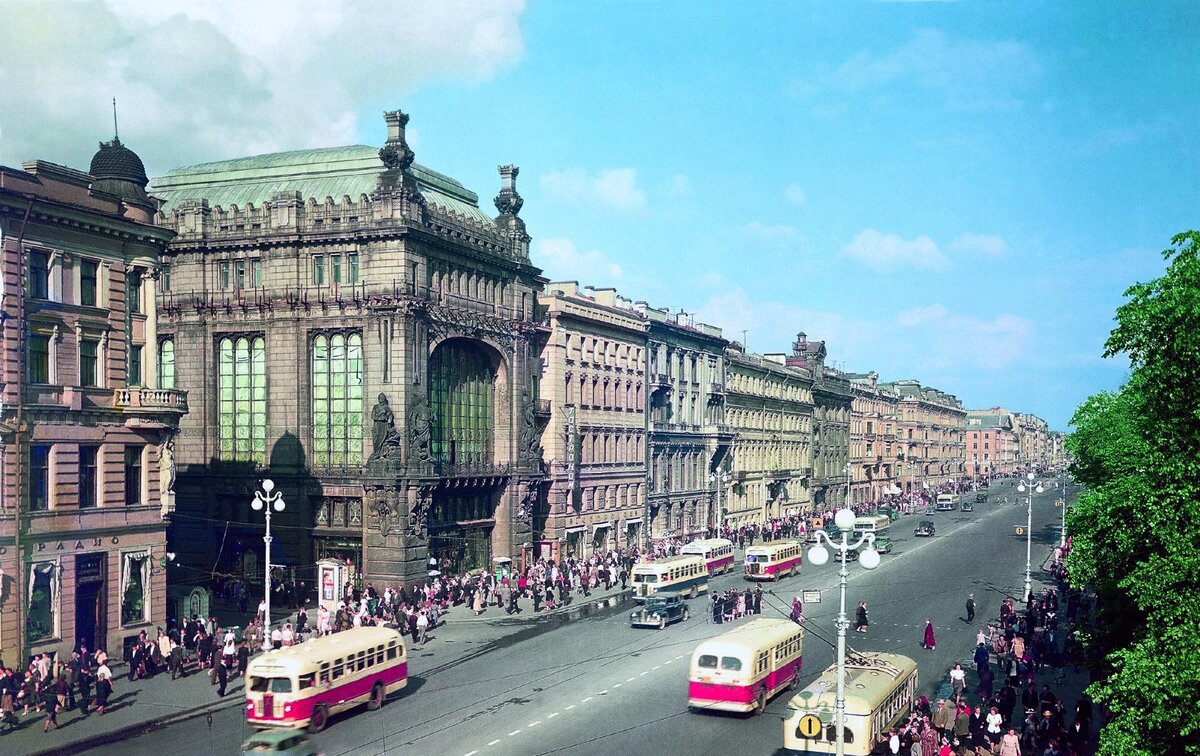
(869,559)
(1028,489)
(265,500)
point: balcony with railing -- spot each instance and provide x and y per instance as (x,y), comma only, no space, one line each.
(148,400)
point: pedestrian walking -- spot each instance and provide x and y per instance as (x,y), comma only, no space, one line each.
(930,639)
(860,618)
(103,687)
(971,608)
(50,699)
(797,610)
(222,677)
(958,680)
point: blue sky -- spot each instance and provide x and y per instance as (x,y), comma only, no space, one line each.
(953,192)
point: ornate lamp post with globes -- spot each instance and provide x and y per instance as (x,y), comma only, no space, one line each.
(869,559)
(1029,487)
(265,500)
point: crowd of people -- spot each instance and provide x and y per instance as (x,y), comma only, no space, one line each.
(84,682)
(1007,713)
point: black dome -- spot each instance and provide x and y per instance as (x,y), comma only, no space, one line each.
(116,161)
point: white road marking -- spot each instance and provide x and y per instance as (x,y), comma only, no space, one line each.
(514,732)
(631,679)
(643,674)
(679,657)
(572,706)
(656,666)
(589,698)
(494,742)
(668,661)
(534,724)
(552,716)
(472,753)
(617,685)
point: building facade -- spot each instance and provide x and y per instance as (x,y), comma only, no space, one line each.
(86,470)
(594,389)
(769,409)
(689,437)
(992,443)
(874,444)
(931,429)
(355,327)
(832,401)
(1033,440)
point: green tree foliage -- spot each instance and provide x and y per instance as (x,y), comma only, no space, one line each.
(1134,529)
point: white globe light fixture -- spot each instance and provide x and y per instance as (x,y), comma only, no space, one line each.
(1029,489)
(869,559)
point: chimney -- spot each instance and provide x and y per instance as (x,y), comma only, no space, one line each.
(396,121)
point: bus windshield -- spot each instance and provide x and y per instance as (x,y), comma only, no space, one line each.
(270,684)
(640,578)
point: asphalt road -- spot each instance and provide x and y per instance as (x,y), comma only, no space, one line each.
(597,686)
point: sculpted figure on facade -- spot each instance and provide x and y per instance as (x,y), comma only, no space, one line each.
(166,474)
(528,448)
(418,517)
(384,436)
(420,431)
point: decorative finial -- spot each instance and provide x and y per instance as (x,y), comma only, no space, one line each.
(116,134)
(508,202)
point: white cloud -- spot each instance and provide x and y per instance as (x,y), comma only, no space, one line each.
(563,261)
(886,252)
(980,245)
(919,315)
(226,78)
(612,188)
(970,74)
(795,195)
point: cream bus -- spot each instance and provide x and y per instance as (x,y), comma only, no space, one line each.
(717,553)
(685,574)
(305,684)
(773,560)
(742,669)
(880,690)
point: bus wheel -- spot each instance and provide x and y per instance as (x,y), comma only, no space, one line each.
(320,717)
(376,699)
(760,702)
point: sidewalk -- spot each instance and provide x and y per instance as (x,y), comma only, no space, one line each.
(159,701)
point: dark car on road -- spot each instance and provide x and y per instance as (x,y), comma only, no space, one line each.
(659,611)
(980,497)
(966,506)
(925,528)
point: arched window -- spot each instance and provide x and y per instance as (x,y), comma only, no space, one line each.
(461,385)
(337,399)
(242,399)
(166,364)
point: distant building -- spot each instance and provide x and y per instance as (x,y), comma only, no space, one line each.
(88,411)
(769,409)
(357,328)
(992,442)
(875,451)
(832,399)
(594,389)
(931,430)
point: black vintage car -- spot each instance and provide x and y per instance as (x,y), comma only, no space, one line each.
(925,528)
(659,611)
(981,497)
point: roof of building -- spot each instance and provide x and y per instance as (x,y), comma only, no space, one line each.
(116,161)
(333,172)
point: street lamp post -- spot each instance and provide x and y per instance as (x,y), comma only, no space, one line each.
(266,501)
(869,559)
(1062,534)
(719,477)
(846,470)
(1028,488)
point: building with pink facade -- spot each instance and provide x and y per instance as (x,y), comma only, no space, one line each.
(88,412)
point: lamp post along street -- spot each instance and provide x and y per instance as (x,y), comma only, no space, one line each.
(869,559)
(1028,489)
(266,500)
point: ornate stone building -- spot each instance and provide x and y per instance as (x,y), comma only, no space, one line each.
(354,326)
(86,419)
(594,387)
(874,448)
(769,408)
(832,398)
(1033,438)
(991,443)
(689,437)
(931,428)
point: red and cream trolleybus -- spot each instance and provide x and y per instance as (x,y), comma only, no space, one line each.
(742,669)
(773,560)
(717,553)
(305,684)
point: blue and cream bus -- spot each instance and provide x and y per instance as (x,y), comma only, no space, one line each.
(686,574)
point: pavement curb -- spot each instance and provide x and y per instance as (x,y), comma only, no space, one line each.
(123,733)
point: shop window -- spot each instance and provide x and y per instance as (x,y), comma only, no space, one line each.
(42,602)
(135,582)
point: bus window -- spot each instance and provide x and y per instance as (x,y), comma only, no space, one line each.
(271,684)
(645,578)
(391,652)
(307,681)
(731,663)
(337,668)
(362,660)
(707,661)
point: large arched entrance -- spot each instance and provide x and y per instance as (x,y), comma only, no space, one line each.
(464,405)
